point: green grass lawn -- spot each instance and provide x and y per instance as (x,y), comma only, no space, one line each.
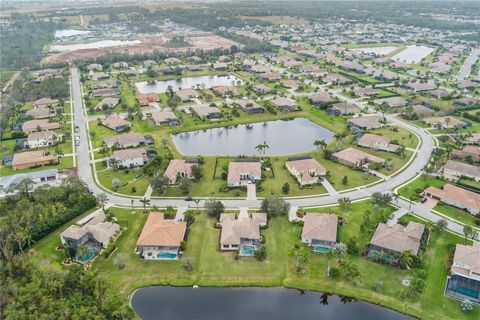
(457,214)
(420,183)
(215,268)
(65,162)
(402,136)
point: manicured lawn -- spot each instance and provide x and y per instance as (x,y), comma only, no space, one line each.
(420,183)
(457,214)
(402,136)
(65,162)
(215,268)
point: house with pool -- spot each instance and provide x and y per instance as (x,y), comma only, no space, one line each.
(464,279)
(92,232)
(241,234)
(243,172)
(306,170)
(389,241)
(161,238)
(320,231)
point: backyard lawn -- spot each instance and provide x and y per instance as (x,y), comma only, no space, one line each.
(421,183)
(125,271)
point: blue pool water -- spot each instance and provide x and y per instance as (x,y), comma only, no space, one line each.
(88,255)
(248,250)
(321,249)
(167,255)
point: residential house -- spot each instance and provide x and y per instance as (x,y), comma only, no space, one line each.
(354,158)
(466,101)
(364,91)
(262,89)
(250,106)
(444,122)
(472,152)
(94,67)
(125,140)
(42,139)
(179,168)
(320,231)
(220,66)
(365,123)
(116,124)
(320,98)
(164,118)
(161,238)
(146,99)
(130,158)
(285,104)
(377,142)
(415,87)
(270,76)
(99,76)
(456,197)
(30,159)
(45,102)
(39,125)
(395,239)
(105,92)
(392,102)
(149,63)
(36,178)
(440,93)
(421,110)
(335,78)
(93,231)
(120,65)
(205,111)
(464,279)
(243,172)
(224,91)
(242,234)
(39,113)
(454,170)
(343,108)
(110,102)
(187,94)
(290,84)
(307,171)
(474,139)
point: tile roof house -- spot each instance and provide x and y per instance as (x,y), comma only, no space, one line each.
(187,94)
(262,89)
(365,122)
(160,238)
(225,91)
(43,102)
(392,102)
(454,170)
(306,171)
(343,108)
(164,118)
(377,142)
(364,92)
(125,140)
(290,84)
(93,231)
(130,158)
(29,159)
(320,98)
(270,76)
(147,98)
(419,86)
(422,111)
(464,279)
(104,92)
(444,122)
(43,139)
(354,158)
(395,239)
(250,106)
(243,172)
(474,139)
(205,111)
(456,197)
(39,125)
(39,113)
(179,168)
(116,124)
(466,101)
(285,104)
(320,231)
(468,151)
(242,234)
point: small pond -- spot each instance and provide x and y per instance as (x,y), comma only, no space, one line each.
(186,303)
(202,82)
(92,45)
(282,136)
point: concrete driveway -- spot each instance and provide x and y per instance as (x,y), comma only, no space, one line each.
(251,191)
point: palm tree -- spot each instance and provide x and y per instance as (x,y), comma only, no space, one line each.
(197,201)
(261,148)
(81,250)
(145,202)
(405,259)
(320,144)
(102,199)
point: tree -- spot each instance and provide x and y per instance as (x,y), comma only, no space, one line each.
(116,184)
(185,185)
(467,231)
(145,203)
(274,206)
(159,182)
(350,269)
(197,172)
(320,144)
(286,188)
(262,148)
(441,225)
(406,259)
(102,199)
(261,254)
(214,208)
(345,180)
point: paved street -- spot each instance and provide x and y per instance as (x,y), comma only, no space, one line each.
(467,65)
(423,154)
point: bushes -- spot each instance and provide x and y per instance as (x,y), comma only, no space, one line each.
(261,254)
(109,250)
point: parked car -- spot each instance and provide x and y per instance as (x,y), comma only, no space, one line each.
(423,200)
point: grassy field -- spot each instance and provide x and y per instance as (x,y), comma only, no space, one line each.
(457,214)
(421,183)
(279,268)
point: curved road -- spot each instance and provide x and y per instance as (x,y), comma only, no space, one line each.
(423,153)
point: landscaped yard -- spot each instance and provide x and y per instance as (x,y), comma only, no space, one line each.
(278,269)
(421,183)
(458,214)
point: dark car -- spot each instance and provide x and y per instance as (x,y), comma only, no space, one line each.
(423,200)
(189,199)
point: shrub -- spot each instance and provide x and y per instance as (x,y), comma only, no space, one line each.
(188,265)
(108,250)
(261,254)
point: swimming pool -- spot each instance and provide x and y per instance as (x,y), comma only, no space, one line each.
(321,249)
(167,255)
(247,251)
(88,255)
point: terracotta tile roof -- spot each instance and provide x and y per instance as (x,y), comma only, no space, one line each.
(114,122)
(160,232)
(235,169)
(466,259)
(176,166)
(162,116)
(235,229)
(458,195)
(32,125)
(306,170)
(320,227)
(32,157)
(121,155)
(354,155)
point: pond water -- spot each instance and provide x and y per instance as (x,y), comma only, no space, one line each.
(376,50)
(413,54)
(67,33)
(92,45)
(282,136)
(185,303)
(205,82)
